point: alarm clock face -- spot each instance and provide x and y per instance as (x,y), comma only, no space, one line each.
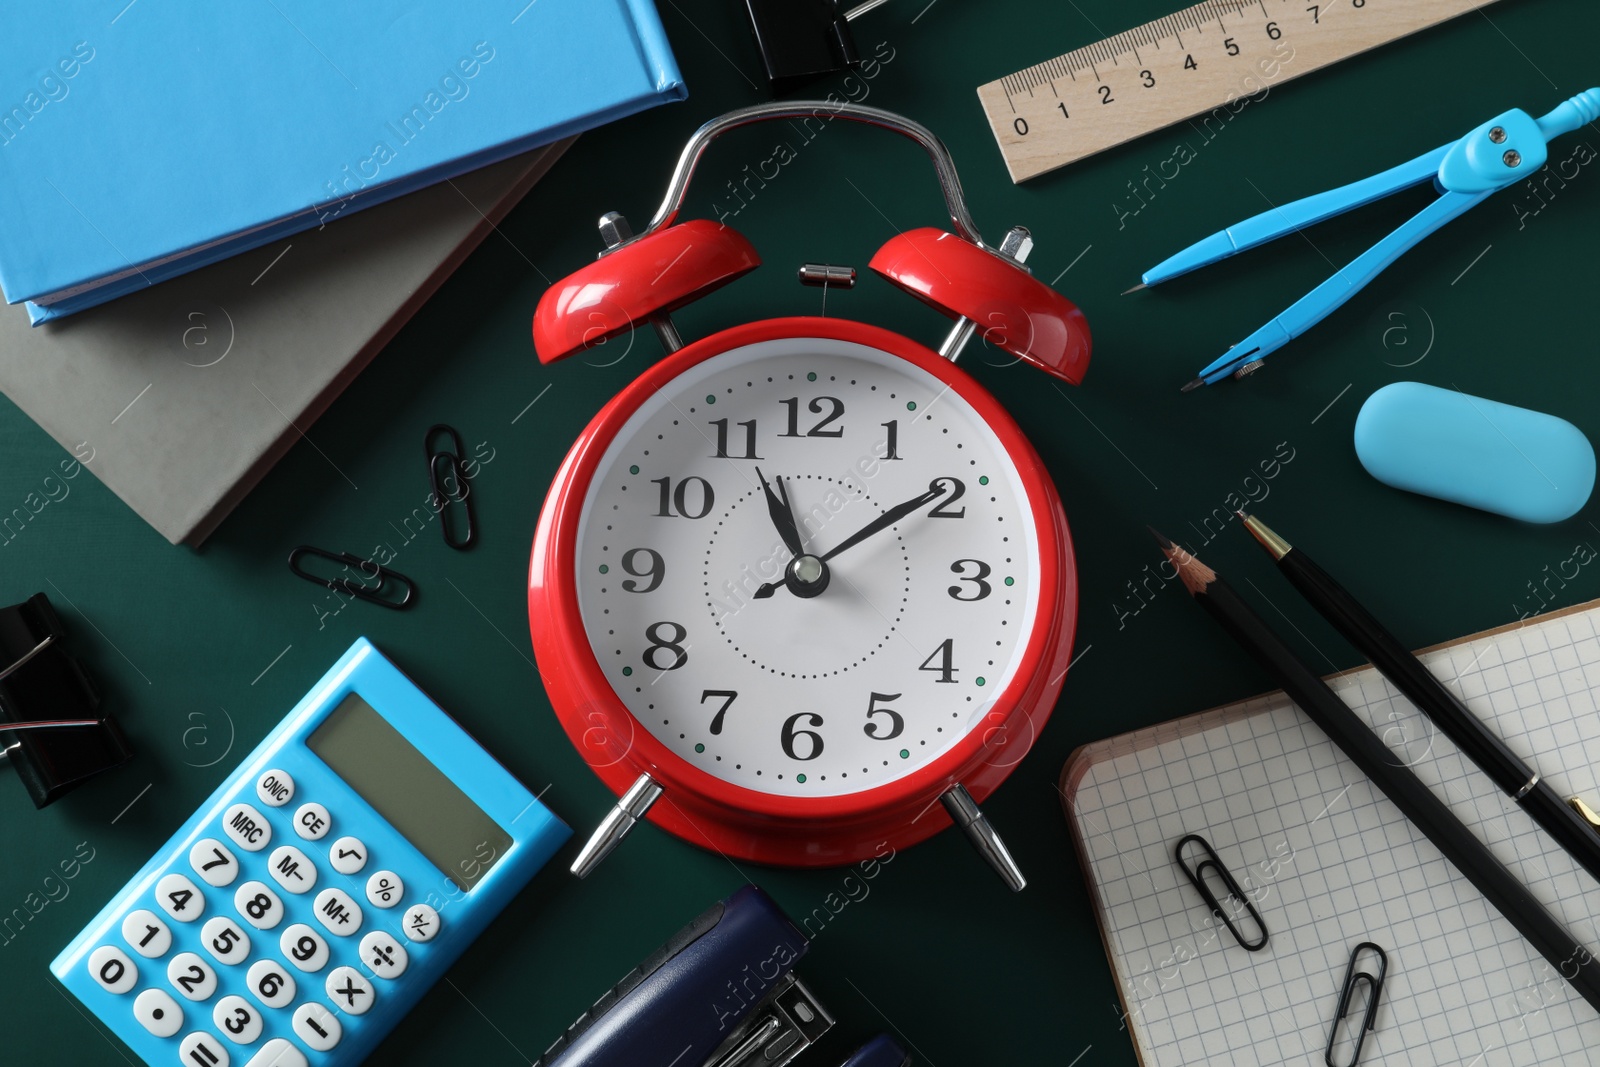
(919,626)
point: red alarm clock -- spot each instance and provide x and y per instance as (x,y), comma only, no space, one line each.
(804,578)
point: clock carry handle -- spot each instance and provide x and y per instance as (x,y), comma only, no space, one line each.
(644,277)
(944,166)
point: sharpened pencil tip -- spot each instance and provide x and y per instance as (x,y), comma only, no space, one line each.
(1135,289)
(1192,386)
(1161,538)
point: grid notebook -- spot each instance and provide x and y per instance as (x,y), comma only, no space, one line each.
(1329,862)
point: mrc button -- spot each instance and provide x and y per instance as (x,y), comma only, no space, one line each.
(275,788)
(247,826)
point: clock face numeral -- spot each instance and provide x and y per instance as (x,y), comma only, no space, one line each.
(722,439)
(945,653)
(893,429)
(957,491)
(656,571)
(669,642)
(727,696)
(885,731)
(682,500)
(832,404)
(980,588)
(859,685)
(792,734)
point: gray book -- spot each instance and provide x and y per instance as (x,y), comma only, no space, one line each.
(185,394)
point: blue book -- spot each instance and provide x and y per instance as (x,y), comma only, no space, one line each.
(143,139)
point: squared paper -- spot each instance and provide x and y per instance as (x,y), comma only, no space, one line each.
(1330,861)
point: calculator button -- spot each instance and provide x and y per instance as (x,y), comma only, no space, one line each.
(259,905)
(304,947)
(383,889)
(112,968)
(158,1013)
(350,992)
(278,1053)
(348,855)
(191,976)
(247,826)
(237,1020)
(383,955)
(421,923)
(213,862)
(270,984)
(336,911)
(312,822)
(146,934)
(291,869)
(225,940)
(180,898)
(317,1026)
(200,1049)
(275,788)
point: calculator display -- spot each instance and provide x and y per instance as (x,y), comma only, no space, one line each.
(406,788)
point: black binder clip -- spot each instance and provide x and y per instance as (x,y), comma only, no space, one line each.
(1197,875)
(50,720)
(1351,978)
(451,487)
(373,583)
(802,40)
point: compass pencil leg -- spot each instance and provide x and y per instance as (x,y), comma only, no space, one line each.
(964,811)
(621,819)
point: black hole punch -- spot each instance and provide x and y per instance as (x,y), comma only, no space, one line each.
(451,486)
(1197,875)
(1352,978)
(373,582)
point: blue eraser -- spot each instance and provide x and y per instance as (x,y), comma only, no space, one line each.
(1487,455)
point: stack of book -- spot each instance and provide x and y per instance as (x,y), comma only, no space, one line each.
(140,146)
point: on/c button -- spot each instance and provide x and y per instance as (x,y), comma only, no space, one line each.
(275,788)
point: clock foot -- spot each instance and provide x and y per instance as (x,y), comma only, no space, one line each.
(622,818)
(964,811)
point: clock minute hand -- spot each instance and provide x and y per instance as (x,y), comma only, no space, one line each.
(887,519)
(782,514)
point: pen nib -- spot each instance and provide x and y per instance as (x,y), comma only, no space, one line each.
(1135,289)
(1192,386)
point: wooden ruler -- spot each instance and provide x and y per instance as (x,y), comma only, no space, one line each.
(1210,60)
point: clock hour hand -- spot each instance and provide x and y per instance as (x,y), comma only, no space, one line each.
(807,575)
(782,514)
(888,518)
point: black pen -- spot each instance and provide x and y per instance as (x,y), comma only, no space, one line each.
(1521,782)
(1572,960)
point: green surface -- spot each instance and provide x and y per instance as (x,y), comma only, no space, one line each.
(201,653)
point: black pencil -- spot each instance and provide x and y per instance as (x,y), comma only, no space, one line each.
(1521,782)
(1427,812)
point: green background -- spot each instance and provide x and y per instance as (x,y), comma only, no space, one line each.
(937,951)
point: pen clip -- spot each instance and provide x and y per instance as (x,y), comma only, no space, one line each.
(1197,875)
(1588,814)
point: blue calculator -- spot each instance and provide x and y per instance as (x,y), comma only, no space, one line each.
(320,891)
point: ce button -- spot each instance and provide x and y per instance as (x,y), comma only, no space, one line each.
(312,822)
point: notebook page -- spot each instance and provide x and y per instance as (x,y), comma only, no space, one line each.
(1331,862)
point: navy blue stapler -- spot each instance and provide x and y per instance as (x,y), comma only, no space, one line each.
(721,993)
